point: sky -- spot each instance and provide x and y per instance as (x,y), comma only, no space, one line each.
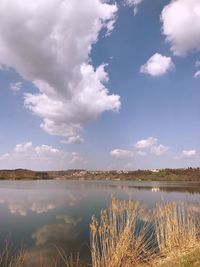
(99,85)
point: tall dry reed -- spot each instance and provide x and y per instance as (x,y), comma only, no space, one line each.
(122,239)
(114,241)
(176,228)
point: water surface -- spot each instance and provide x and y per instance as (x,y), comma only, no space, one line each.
(46,215)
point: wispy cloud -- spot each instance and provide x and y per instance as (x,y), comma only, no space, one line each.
(159,150)
(16,87)
(121,154)
(133,4)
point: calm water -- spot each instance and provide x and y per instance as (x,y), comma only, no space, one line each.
(44,214)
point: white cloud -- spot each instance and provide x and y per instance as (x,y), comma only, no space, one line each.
(159,150)
(121,154)
(197,74)
(188,153)
(134,4)
(125,154)
(145,147)
(23,148)
(150,145)
(25,155)
(51,47)
(157,65)
(181,25)
(145,143)
(16,87)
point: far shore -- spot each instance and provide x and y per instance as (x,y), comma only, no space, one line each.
(188,174)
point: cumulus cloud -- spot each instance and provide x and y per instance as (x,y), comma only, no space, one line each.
(152,145)
(133,3)
(181,25)
(159,150)
(197,74)
(16,87)
(25,155)
(188,153)
(145,143)
(157,65)
(121,154)
(51,47)
(145,147)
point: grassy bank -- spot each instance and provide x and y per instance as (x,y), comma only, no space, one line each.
(187,259)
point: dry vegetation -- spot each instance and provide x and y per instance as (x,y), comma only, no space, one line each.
(124,237)
(11,257)
(117,240)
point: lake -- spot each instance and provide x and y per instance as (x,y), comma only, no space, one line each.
(46,215)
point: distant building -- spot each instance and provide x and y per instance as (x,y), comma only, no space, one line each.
(155,170)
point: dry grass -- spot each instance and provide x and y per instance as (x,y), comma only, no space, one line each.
(11,257)
(67,261)
(117,241)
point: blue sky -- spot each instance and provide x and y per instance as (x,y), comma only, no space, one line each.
(99,85)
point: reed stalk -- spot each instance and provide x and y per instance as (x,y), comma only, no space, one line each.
(11,257)
(176,228)
(115,241)
(122,239)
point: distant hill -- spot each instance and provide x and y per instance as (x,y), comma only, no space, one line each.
(22,174)
(189,174)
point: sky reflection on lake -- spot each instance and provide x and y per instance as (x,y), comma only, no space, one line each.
(47,215)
